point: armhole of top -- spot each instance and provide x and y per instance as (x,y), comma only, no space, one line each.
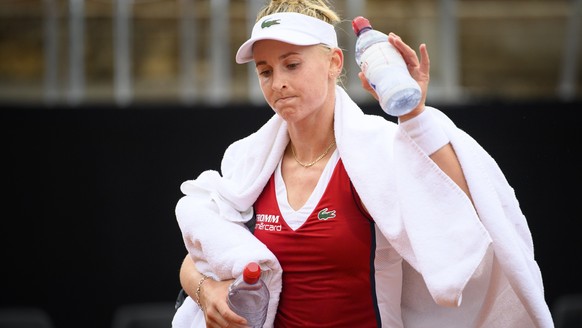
(359,203)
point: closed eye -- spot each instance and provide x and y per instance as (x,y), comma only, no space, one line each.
(265,73)
(293,66)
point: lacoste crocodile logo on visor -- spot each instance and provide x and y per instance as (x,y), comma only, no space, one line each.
(269,23)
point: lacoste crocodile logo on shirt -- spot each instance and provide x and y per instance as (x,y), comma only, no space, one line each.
(325,214)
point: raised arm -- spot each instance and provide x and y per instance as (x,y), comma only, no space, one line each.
(419,69)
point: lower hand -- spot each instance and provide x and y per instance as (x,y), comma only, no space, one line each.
(217,313)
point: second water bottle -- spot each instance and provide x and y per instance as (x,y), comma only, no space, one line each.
(248,296)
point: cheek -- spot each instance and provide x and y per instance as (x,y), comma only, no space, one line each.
(316,85)
(266,89)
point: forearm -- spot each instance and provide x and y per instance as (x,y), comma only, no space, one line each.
(425,131)
(189,276)
(209,294)
(447,160)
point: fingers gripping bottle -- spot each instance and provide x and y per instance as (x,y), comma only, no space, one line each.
(248,296)
(385,69)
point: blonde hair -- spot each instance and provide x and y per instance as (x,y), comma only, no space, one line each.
(320,9)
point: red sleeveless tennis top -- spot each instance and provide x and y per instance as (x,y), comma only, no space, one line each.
(328,262)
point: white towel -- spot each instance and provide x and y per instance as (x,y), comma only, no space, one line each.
(425,216)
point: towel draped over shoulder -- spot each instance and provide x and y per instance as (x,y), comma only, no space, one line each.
(424,215)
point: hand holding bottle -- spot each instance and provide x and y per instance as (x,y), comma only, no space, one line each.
(217,313)
(418,68)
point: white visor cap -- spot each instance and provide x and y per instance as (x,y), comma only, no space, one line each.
(288,27)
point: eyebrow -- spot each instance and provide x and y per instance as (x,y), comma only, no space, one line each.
(283,56)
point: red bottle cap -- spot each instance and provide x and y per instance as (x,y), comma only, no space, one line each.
(252,273)
(360,23)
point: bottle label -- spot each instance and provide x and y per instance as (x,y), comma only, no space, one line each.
(380,54)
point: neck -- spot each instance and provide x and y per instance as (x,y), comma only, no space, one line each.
(310,144)
(312,135)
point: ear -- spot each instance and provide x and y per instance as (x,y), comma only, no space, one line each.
(337,61)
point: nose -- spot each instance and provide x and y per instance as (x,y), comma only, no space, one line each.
(279,81)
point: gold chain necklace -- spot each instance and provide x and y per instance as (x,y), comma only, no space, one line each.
(317,159)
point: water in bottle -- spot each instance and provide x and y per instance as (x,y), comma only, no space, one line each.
(248,296)
(385,69)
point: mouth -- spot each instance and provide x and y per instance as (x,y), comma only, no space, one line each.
(284,99)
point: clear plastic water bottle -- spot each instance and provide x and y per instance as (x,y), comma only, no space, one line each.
(248,296)
(385,69)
